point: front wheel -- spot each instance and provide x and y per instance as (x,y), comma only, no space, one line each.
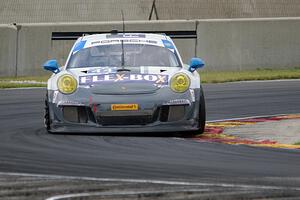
(46,114)
(202,114)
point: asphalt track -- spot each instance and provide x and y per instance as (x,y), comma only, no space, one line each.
(25,147)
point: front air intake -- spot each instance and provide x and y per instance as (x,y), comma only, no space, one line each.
(75,114)
(172,113)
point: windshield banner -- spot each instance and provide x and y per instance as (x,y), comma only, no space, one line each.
(112,78)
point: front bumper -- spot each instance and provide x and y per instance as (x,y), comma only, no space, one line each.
(100,119)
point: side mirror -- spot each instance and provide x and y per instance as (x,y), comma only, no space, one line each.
(51,65)
(196,63)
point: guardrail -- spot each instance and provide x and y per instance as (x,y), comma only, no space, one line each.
(234,44)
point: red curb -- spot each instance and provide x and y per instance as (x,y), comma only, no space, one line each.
(215,133)
(213,130)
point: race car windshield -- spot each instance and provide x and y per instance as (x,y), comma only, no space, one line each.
(135,55)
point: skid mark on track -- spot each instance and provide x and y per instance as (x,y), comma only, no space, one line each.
(214,132)
(149,181)
(115,193)
(150,187)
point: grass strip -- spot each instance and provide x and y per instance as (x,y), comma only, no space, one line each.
(43,78)
(206,77)
(297,143)
(4,85)
(249,75)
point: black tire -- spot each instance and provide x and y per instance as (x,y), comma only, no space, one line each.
(202,115)
(202,112)
(47,120)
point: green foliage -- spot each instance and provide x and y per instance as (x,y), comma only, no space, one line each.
(206,77)
(26,78)
(20,85)
(259,74)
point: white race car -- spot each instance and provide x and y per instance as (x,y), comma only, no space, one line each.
(124,82)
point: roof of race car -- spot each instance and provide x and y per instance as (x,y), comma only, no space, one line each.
(132,38)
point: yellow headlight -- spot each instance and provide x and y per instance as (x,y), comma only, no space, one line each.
(180,82)
(67,84)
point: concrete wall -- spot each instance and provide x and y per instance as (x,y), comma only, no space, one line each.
(249,44)
(8,36)
(223,44)
(46,11)
(36,46)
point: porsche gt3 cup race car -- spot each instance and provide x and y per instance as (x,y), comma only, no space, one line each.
(124,82)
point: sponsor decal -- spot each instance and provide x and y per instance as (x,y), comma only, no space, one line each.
(168,44)
(193,95)
(102,70)
(133,40)
(79,46)
(124,107)
(70,103)
(156,79)
(178,102)
(126,35)
(55,93)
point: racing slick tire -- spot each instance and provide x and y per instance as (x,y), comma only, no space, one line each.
(202,115)
(202,112)
(47,120)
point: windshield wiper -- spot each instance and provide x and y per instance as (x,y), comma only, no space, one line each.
(122,41)
(123,70)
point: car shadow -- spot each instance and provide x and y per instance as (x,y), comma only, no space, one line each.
(135,134)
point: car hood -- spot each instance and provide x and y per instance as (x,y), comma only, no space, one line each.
(112,81)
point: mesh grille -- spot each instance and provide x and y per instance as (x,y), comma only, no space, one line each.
(125,120)
(131,118)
